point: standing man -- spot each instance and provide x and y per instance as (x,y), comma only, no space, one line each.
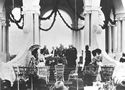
(71,56)
(87,55)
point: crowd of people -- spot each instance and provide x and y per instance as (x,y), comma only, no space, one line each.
(67,56)
(41,57)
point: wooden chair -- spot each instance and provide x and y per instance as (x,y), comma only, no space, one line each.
(106,73)
(73,75)
(43,72)
(59,72)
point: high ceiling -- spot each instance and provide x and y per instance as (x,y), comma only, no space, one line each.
(71,6)
(66,5)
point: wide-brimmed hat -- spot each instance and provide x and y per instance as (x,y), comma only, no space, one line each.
(33,47)
(59,84)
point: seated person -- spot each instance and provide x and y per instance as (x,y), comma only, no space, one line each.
(97,61)
(122,59)
(41,64)
(59,85)
(97,58)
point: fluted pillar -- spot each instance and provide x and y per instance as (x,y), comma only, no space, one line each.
(36,29)
(119,35)
(91,11)
(123,35)
(76,38)
(5,40)
(4,35)
(1,36)
(87,30)
(5,32)
(109,39)
(31,20)
(115,42)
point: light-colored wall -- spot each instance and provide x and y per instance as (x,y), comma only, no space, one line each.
(59,34)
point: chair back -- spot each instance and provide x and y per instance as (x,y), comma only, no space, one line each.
(59,71)
(43,71)
(106,73)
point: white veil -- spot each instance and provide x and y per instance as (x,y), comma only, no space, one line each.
(119,68)
(22,59)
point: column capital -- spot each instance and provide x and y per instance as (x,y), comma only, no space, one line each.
(33,7)
(2,16)
(89,9)
(3,21)
(91,5)
(120,16)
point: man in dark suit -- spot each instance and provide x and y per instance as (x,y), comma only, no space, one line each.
(71,56)
(87,55)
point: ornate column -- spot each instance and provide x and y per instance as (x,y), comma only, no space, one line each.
(4,35)
(5,41)
(31,20)
(109,39)
(81,40)
(87,14)
(87,30)
(92,9)
(119,35)
(123,35)
(76,37)
(115,42)
(1,36)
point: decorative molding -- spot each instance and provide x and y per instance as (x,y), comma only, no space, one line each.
(33,7)
(89,9)
(120,16)
(92,5)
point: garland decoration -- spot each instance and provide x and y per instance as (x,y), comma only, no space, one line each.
(75,29)
(13,20)
(107,8)
(54,19)
(55,11)
(48,17)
